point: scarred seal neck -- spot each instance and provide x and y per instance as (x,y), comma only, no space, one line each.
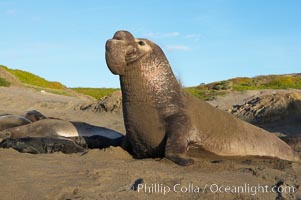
(150,80)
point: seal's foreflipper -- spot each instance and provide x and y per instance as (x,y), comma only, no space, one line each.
(36,145)
(176,143)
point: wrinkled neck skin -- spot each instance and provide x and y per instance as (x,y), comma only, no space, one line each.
(151,81)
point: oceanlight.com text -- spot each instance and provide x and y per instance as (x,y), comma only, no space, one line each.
(214,188)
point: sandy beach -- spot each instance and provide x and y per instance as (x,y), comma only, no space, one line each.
(112,173)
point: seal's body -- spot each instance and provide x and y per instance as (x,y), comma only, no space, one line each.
(161,119)
(9,121)
(57,128)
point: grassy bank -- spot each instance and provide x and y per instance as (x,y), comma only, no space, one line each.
(203,91)
(211,90)
(4,82)
(97,93)
(32,79)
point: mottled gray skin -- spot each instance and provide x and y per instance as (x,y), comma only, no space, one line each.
(10,121)
(161,119)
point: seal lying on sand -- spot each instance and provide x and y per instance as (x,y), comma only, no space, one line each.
(9,121)
(51,135)
(161,119)
(55,127)
(37,145)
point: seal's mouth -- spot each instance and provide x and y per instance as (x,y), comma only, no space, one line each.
(119,36)
(123,35)
(119,51)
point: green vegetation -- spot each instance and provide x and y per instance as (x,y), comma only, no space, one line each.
(211,90)
(268,82)
(241,84)
(203,91)
(4,82)
(97,93)
(204,94)
(31,79)
(39,83)
(284,82)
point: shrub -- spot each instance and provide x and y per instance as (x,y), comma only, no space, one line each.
(223,85)
(4,82)
(282,82)
(298,83)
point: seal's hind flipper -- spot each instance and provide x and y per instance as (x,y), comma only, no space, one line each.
(36,145)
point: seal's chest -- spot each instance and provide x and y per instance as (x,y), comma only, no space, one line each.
(145,125)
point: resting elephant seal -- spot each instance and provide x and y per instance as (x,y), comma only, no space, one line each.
(9,121)
(161,119)
(56,127)
(37,145)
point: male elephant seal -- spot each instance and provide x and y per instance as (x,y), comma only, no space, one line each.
(161,119)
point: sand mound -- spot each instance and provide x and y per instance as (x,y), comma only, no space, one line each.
(111,103)
(278,112)
(270,108)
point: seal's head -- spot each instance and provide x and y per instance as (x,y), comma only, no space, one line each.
(34,115)
(124,49)
(4,134)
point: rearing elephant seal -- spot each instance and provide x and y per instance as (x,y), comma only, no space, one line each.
(161,119)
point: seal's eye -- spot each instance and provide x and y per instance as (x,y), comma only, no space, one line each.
(141,43)
(7,134)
